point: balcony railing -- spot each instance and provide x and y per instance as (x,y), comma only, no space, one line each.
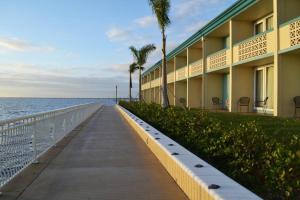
(156,82)
(218,60)
(196,68)
(170,77)
(182,73)
(290,34)
(146,86)
(24,139)
(254,47)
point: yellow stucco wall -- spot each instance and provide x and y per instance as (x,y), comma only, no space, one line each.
(213,88)
(287,10)
(195,92)
(171,93)
(289,83)
(181,92)
(194,54)
(242,85)
(213,44)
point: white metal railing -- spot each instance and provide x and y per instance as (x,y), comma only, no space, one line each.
(24,139)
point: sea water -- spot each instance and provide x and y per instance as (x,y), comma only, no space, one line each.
(11,108)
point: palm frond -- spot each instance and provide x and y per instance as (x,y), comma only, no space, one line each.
(145,52)
(141,55)
(161,9)
(133,67)
(134,52)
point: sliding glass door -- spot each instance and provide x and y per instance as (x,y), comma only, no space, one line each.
(264,87)
(259,83)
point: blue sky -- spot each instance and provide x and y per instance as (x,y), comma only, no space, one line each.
(79,48)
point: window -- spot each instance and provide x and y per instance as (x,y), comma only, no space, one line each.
(269,23)
(264,24)
(226,42)
(259,28)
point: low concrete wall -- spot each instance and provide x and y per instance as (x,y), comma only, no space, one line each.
(198,179)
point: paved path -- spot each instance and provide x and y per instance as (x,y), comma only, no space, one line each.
(106,160)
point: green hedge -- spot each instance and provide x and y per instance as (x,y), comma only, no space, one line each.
(260,152)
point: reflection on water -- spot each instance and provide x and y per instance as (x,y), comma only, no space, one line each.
(18,107)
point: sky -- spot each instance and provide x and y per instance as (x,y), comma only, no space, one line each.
(79,48)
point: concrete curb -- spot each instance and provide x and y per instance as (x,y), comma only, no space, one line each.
(198,179)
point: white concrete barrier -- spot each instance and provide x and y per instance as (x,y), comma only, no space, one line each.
(198,179)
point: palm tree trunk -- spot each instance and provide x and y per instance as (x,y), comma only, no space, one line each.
(140,83)
(166,102)
(130,86)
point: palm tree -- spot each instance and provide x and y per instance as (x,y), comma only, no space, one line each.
(161,9)
(131,70)
(140,57)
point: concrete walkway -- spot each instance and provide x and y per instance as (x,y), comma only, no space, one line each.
(106,160)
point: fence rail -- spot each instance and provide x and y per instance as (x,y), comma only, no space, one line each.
(24,139)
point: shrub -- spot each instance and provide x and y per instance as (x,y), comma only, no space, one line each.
(260,152)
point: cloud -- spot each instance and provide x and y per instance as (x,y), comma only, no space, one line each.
(117,34)
(14,44)
(145,21)
(192,7)
(31,80)
(128,38)
(192,28)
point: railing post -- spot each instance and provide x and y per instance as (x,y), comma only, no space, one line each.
(34,142)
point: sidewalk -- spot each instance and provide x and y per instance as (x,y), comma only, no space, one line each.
(106,160)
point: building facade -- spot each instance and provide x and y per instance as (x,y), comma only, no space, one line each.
(250,52)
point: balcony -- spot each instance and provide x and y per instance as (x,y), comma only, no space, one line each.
(155,83)
(181,73)
(146,86)
(290,35)
(253,48)
(170,77)
(218,60)
(196,68)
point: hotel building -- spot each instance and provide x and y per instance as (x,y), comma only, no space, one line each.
(247,59)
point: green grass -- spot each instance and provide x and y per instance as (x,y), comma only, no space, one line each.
(260,152)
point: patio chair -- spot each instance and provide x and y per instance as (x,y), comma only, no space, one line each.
(244,102)
(182,101)
(216,102)
(263,104)
(297,104)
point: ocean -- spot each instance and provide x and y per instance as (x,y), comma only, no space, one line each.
(11,108)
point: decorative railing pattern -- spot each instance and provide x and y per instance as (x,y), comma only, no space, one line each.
(24,139)
(181,73)
(253,47)
(196,67)
(155,83)
(217,60)
(170,77)
(295,33)
(146,86)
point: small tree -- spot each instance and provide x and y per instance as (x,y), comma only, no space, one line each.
(161,10)
(140,57)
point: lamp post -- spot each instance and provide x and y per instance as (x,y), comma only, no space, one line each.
(116,94)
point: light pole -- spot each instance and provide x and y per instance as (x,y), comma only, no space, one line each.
(116,94)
